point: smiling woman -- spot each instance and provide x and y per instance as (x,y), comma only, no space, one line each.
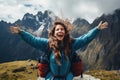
(61,47)
(60,34)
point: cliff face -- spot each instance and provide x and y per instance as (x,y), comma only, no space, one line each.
(104,51)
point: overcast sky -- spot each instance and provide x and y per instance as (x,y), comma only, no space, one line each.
(11,10)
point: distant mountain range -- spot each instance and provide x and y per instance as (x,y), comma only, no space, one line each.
(103,52)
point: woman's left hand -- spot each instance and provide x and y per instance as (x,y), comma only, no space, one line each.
(102,25)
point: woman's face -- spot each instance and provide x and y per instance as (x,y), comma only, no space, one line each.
(59,32)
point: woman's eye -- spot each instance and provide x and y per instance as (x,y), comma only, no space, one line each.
(57,29)
(62,29)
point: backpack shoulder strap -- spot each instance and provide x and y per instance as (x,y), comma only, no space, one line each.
(48,52)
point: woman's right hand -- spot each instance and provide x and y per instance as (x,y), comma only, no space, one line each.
(102,26)
(15,29)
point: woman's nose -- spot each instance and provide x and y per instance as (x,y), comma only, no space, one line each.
(60,30)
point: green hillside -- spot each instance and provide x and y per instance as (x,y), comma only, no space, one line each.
(18,70)
(26,70)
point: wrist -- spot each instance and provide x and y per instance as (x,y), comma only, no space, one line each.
(19,31)
(98,27)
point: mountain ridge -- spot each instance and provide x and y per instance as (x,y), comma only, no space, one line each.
(102,52)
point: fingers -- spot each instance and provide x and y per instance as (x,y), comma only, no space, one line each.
(100,23)
(14,29)
(105,24)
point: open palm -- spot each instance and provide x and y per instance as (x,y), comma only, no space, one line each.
(15,29)
(102,25)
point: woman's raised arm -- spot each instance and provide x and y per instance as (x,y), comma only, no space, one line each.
(87,38)
(37,42)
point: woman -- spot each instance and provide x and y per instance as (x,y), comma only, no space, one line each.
(61,44)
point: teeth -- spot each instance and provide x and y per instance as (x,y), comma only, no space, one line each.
(60,35)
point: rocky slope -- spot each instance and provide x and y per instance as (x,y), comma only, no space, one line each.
(104,51)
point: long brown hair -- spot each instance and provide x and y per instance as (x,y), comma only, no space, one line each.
(55,44)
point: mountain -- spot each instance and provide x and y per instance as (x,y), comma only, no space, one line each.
(81,26)
(13,47)
(104,51)
(101,53)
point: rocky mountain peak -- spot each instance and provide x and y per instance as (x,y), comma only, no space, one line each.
(28,16)
(81,21)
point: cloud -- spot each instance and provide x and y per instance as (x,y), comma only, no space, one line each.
(108,6)
(28,5)
(88,9)
(12,10)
